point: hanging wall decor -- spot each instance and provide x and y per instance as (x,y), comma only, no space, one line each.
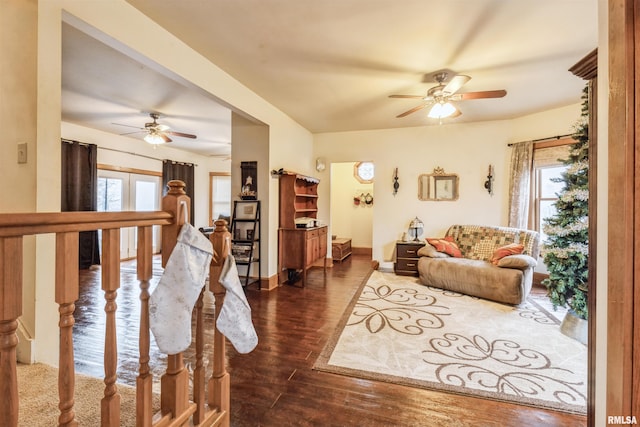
(488,184)
(249,189)
(396,184)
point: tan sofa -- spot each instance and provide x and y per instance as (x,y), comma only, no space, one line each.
(507,280)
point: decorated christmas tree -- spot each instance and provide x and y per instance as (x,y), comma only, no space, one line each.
(565,251)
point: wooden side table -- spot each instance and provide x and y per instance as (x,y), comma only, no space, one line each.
(340,248)
(407,258)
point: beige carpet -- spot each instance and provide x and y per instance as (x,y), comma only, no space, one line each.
(399,331)
(38,391)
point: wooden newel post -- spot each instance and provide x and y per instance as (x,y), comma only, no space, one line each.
(10,310)
(174,384)
(219,382)
(172,203)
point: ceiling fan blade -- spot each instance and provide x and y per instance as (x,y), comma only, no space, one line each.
(184,135)
(480,95)
(413,110)
(130,133)
(407,96)
(456,113)
(165,137)
(456,83)
(129,126)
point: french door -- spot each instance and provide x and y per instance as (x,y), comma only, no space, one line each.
(122,191)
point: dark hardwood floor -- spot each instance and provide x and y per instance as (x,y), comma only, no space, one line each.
(275,384)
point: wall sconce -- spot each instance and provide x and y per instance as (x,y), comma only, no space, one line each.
(396,184)
(321,164)
(488,184)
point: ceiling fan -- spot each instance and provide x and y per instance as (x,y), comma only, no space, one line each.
(155,132)
(439,97)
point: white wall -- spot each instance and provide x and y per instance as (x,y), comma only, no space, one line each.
(348,219)
(464,149)
(18,118)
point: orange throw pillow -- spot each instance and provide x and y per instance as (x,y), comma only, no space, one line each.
(446,245)
(511,249)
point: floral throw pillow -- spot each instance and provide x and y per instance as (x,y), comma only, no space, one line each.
(445,245)
(511,249)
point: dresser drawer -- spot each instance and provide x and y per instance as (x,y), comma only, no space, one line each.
(408,250)
(405,264)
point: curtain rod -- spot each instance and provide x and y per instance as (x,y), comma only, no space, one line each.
(549,138)
(124,152)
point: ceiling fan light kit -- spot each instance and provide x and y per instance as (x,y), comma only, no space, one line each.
(157,134)
(441,110)
(440,96)
(154,139)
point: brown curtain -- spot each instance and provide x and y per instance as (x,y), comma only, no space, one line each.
(80,193)
(183,172)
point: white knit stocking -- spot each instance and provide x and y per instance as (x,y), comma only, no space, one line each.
(172,301)
(235,316)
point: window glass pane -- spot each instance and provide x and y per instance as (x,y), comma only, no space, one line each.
(548,188)
(547,209)
(109,195)
(220,196)
(222,188)
(146,196)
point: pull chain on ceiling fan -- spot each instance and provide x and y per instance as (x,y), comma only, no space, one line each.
(439,97)
(157,133)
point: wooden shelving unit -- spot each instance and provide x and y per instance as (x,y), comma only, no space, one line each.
(299,247)
(298,198)
(245,244)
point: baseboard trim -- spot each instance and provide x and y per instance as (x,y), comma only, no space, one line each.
(362,251)
(539,277)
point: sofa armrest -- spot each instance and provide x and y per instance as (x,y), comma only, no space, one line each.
(521,262)
(429,251)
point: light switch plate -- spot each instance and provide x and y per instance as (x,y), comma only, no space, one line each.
(22,152)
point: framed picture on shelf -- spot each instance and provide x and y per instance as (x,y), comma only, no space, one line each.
(249,234)
(247,210)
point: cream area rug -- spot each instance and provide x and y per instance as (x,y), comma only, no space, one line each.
(38,393)
(398,330)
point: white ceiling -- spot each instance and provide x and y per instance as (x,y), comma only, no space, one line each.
(332,64)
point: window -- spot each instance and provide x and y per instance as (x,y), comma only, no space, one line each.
(122,189)
(547,166)
(219,196)
(546,196)
(364,172)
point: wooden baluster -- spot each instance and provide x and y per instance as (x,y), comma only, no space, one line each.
(10,310)
(144,381)
(110,404)
(198,372)
(219,382)
(174,384)
(67,293)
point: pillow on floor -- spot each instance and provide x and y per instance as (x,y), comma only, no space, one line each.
(446,245)
(431,252)
(511,249)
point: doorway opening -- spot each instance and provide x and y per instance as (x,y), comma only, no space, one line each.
(351,212)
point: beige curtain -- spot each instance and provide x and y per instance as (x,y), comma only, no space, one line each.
(520,184)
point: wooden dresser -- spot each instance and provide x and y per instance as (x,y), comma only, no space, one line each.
(407,258)
(299,248)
